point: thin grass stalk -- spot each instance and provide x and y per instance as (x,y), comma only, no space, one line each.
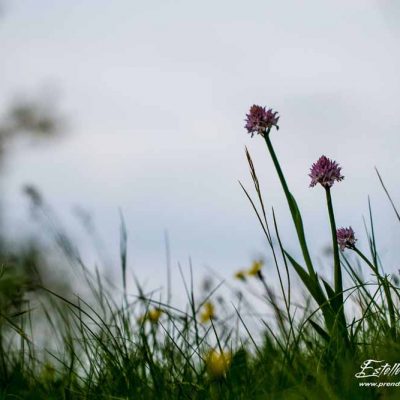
(386,288)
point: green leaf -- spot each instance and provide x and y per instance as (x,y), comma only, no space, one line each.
(320,331)
(329,290)
(334,299)
(311,282)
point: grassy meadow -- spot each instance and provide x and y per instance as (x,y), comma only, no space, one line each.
(338,341)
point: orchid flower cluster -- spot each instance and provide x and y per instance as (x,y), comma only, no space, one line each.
(325,172)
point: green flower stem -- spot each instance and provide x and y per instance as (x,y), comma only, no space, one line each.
(292,206)
(337,301)
(312,278)
(386,289)
(336,260)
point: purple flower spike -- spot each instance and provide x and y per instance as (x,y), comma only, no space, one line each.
(259,120)
(325,171)
(345,238)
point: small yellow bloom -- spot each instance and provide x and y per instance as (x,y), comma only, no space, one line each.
(152,316)
(255,268)
(218,363)
(241,275)
(208,312)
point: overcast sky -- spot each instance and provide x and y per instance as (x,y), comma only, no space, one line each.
(155,93)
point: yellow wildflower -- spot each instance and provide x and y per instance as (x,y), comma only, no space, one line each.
(218,363)
(241,275)
(255,268)
(208,312)
(152,316)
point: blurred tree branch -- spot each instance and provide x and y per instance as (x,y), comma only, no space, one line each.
(28,118)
